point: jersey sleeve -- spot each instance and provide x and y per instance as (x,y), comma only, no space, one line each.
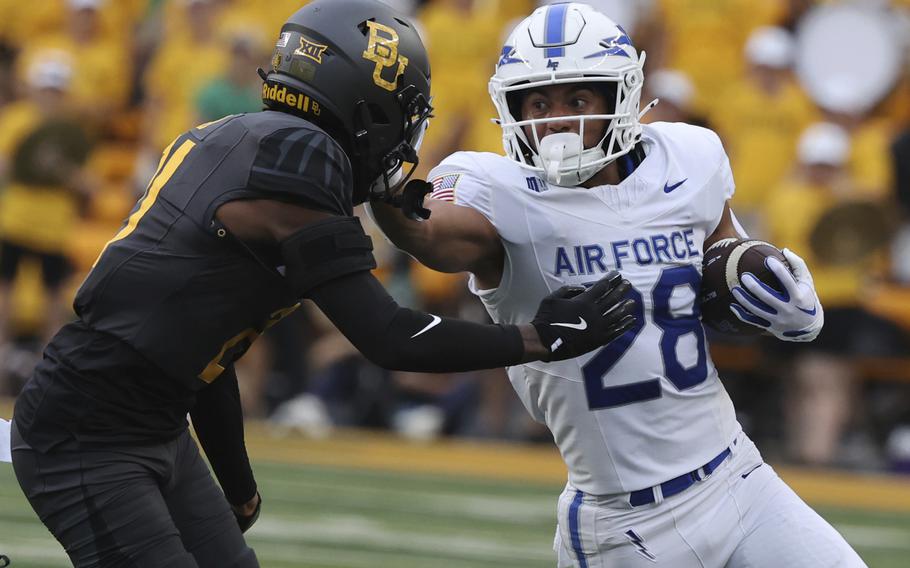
(458,179)
(724,174)
(719,187)
(303,166)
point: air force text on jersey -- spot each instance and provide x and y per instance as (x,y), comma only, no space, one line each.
(653,249)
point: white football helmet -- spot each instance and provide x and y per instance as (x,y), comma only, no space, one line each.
(569,43)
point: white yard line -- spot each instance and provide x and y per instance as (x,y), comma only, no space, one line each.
(519,510)
(498,508)
(366,532)
(312,554)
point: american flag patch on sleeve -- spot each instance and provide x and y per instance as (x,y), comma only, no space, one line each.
(444,187)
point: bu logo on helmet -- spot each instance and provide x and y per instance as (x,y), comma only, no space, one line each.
(383,51)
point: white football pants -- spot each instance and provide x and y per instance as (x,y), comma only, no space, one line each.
(742,516)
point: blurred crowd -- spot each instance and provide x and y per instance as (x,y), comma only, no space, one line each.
(811,99)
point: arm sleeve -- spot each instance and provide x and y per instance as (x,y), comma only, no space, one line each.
(399,338)
(218,421)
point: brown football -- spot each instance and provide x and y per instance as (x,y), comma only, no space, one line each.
(722,268)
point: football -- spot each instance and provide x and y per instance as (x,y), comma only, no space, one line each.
(723,265)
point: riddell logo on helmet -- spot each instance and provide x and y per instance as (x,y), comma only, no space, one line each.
(294,100)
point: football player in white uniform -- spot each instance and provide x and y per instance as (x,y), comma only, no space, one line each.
(660,472)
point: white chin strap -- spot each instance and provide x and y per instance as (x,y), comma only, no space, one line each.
(564,160)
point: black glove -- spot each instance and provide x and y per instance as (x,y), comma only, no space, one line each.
(246,521)
(410,199)
(572,320)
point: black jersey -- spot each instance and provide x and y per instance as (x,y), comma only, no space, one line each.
(173,283)
(176,298)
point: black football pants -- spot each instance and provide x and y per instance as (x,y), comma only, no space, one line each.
(150,506)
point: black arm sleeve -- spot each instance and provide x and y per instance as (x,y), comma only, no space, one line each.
(399,338)
(218,421)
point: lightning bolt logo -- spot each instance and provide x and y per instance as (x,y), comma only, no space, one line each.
(640,545)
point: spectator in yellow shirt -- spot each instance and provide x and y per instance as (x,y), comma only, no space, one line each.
(190,54)
(461,36)
(869,161)
(705,40)
(185,61)
(760,119)
(823,378)
(42,150)
(102,74)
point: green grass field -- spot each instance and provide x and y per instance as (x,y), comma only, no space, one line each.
(346,516)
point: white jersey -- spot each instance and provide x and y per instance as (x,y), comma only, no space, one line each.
(648,407)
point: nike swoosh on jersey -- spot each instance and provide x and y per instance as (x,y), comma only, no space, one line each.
(668,188)
(582,324)
(436,321)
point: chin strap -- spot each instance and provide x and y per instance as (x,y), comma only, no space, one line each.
(647,108)
(412,197)
(409,200)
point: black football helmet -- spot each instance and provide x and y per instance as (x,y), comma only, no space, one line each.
(357,69)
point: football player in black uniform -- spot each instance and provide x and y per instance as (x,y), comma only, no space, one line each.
(243,218)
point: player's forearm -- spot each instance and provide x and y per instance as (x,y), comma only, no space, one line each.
(420,239)
(218,422)
(399,338)
(408,235)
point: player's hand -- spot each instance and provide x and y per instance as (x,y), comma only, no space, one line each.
(248,513)
(573,320)
(795,315)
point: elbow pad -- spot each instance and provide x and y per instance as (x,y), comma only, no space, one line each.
(325,251)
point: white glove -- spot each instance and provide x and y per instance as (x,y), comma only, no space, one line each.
(795,315)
